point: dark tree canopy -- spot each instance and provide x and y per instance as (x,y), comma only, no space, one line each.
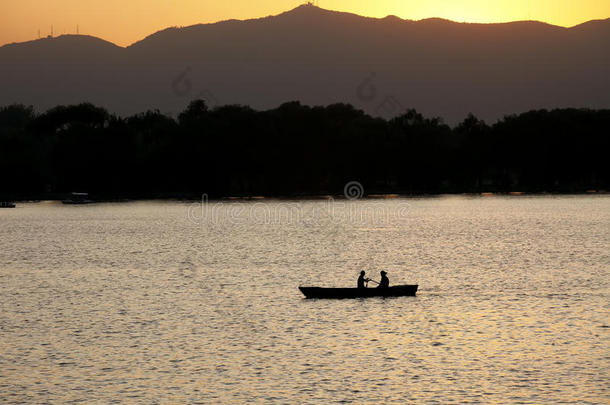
(295,150)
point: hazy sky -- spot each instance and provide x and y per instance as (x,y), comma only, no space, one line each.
(126,21)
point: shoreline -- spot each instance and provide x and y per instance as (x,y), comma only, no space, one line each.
(188,197)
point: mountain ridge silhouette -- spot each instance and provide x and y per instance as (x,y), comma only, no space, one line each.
(383,66)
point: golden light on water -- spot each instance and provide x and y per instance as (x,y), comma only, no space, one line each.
(124,22)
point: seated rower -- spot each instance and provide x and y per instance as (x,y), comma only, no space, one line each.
(362,280)
(385,281)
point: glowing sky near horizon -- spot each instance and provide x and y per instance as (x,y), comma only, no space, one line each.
(126,21)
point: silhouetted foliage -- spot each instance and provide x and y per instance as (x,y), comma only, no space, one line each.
(295,150)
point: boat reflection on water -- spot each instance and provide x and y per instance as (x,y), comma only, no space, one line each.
(7,204)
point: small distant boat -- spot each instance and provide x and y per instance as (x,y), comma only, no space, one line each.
(341,293)
(7,204)
(78,198)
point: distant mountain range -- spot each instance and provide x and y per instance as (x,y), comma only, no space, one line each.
(319,57)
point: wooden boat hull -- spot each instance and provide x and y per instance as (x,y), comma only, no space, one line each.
(342,293)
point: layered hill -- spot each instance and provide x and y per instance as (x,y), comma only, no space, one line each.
(317,56)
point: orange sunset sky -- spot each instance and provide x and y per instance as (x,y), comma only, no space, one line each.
(126,21)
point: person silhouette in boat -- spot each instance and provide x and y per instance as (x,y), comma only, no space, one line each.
(363,282)
(385,281)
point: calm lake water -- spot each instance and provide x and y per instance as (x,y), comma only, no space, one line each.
(172,302)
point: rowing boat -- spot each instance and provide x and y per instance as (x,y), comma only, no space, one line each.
(338,293)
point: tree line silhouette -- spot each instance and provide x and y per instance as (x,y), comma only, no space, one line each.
(295,150)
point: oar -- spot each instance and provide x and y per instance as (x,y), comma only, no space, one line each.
(376,282)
